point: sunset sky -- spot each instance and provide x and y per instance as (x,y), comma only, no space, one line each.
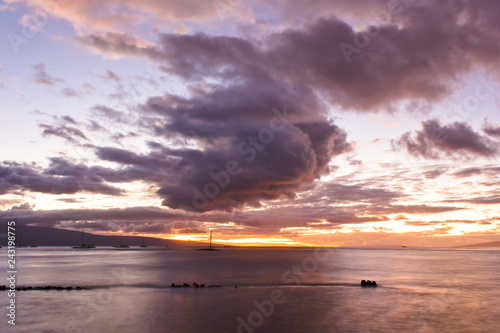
(270,122)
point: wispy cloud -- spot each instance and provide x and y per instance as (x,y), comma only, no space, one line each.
(41,76)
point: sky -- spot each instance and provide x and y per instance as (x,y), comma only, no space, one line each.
(269,122)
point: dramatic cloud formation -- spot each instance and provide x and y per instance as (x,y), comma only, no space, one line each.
(244,159)
(268,117)
(260,77)
(350,67)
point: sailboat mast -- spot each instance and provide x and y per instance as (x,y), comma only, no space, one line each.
(210,239)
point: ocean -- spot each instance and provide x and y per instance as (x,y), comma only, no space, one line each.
(278,290)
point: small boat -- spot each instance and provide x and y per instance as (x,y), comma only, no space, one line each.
(143,245)
(84,246)
(121,246)
(20,241)
(210,246)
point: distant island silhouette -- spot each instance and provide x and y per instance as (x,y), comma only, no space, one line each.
(480,245)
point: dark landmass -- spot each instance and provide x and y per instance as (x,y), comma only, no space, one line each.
(43,236)
(480,245)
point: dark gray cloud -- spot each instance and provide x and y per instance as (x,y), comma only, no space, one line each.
(71,134)
(412,209)
(69,92)
(491,130)
(325,194)
(69,120)
(70,217)
(269,221)
(191,231)
(59,178)
(139,171)
(118,43)
(155,219)
(244,160)
(433,174)
(299,68)
(486,200)
(111,77)
(456,139)
(238,152)
(383,64)
(116,226)
(468,172)
(257,140)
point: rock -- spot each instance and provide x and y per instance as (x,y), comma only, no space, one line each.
(368,283)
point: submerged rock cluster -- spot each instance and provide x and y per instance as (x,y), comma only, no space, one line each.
(368,283)
(195,285)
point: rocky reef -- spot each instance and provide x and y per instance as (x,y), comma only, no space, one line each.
(26,288)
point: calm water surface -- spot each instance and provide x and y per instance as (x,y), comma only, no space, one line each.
(420,290)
